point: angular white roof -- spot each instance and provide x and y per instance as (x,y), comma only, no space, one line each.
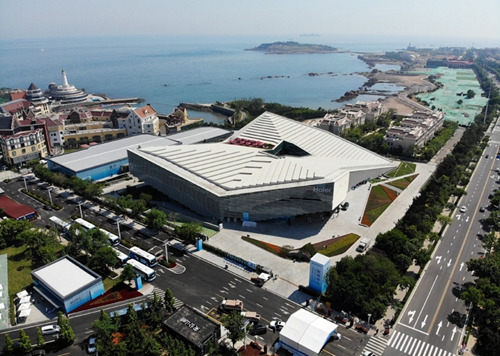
(224,167)
(307,332)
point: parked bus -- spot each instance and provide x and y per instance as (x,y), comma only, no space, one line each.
(122,258)
(148,274)
(85,224)
(113,239)
(143,257)
(60,224)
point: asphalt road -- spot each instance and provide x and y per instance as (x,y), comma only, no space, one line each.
(201,286)
(432,322)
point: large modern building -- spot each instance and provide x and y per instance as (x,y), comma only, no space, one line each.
(67,284)
(273,168)
(66,93)
(104,160)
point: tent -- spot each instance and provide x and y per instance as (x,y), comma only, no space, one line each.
(25,313)
(306,333)
(24,306)
(22,293)
(25,299)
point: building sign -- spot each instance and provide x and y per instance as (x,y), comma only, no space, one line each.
(246,216)
(189,324)
(318,268)
(321,188)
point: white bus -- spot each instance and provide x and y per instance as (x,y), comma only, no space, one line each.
(148,274)
(122,258)
(85,224)
(142,256)
(60,224)
(113,239)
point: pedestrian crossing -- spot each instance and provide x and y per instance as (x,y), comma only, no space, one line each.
(376,344)
(405,344)
(161,294)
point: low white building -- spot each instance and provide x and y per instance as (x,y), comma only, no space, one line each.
(143,120)
(306,333)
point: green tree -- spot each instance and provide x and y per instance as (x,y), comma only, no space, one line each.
(155,219)
(10,230)
(41,244)
(470,94)
(168,301)
(104,329)
(128,274)
(24,342)
(188,232)
(234,322)
(156,308)
(40,341)
(9,345)
(103,258)
(67,335)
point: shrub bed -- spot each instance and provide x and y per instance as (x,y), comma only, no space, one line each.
(41,199)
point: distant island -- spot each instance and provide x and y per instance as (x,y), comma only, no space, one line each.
(310,35)
(291,47)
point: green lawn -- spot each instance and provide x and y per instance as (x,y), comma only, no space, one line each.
(19,269)
(403,169)
(403,183)
(340,246)
(374,214)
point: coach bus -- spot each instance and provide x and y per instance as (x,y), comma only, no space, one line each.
(148,274)
(142,256)
(113,239)
(122,258)
(60,224)
(85,224)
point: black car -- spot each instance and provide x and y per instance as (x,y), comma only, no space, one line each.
(345,206)
(258,330)
(47,207)
(481,209)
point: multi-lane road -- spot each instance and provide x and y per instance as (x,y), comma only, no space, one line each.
(202,285)
(432,322)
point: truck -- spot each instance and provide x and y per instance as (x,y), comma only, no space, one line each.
(251,316)
(364,243)
(231,304)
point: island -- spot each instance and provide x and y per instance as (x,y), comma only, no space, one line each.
(291,47)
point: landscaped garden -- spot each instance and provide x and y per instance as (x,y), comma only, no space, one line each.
(403,183)
(118,293)
(404,168)
(330,247)
(380,198)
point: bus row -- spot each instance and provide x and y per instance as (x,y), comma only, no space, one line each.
(140,260)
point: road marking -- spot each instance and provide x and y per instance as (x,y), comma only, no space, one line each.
(259,305)
(265,298)
(242,296)
(249,290)
(426,299)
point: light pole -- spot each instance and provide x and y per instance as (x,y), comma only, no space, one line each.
(50,195)
(80,206)
(25,185)
(166,251)
(118,227)
(369,316)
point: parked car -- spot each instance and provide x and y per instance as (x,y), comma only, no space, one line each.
(50,329)
(277,325)
(487,156)
(258,330)
(47,207)
(91,346)
(368,353)
(482,209)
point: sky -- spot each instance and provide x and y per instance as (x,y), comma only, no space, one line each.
(474,21)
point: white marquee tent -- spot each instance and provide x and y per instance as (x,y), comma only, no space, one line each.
(306,333)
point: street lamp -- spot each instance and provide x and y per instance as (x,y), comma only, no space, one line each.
(166,251)
(25,185)
(50,196)
(369,316)
(118,227)
(80,206)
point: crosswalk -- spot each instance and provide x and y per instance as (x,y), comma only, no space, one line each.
(376,344)
(406,345)
(161,294)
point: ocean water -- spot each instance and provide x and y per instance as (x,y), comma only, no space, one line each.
(166,71)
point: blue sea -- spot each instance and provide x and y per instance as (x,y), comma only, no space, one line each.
(166,71)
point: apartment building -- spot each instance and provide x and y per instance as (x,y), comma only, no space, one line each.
(143,120)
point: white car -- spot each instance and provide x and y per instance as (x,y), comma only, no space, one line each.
(463,209)
(91,347)
(368,353)
(50,329)
(277,325)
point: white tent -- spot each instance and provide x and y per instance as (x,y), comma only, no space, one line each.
(24,306)
(22,293)
(306,333)
(25,299)
(25,313)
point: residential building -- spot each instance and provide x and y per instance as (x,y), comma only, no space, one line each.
(415,130)
(143,120)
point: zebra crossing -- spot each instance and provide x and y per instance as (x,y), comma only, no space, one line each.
(161,294)
(376,344)
(412,346)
